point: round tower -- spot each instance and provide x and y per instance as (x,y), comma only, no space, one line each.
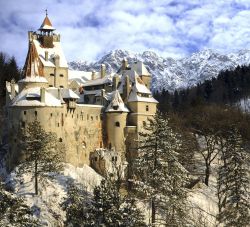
(116,115)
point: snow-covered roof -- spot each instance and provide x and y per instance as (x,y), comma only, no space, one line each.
(33,95)
(68,94)
(140,86)
(82,75)
(140,68)
(52,53)
(99,81)
(116,104)
(46,25)
(92,92)
(137,97)
(34,79)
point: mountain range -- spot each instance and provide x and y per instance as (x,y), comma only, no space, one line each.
(168,73)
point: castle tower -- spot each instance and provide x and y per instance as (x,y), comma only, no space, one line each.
(116,114)
(141,103)
(143,73)
(50,53)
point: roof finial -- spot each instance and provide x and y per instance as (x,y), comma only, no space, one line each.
(46,11)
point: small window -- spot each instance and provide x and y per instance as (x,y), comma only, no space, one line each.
(23,124)
(144,123)
(61,86)
(24,112)
(96,159)
(50,85)
(113,159)
(117,124)
(51,74)
(87,116)
(51,114)
(147,108)
(61,75)
(92,118)
(58,124)
(60,139)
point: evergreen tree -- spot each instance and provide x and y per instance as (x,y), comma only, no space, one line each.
(13,211)
(41,153)
(107,207)
(111,209)
(159,172)
(78,207)
(233,183)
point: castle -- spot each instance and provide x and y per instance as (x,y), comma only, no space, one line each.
(97,116)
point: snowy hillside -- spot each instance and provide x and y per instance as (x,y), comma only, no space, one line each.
(47,206)
(169,73)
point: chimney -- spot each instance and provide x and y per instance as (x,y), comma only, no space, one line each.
(126,88)
(59,96)
(30,36)
(57,60)
(42,94)
(124,63)
(93,75)
(102,95)
(115,82)
(12,89)
(46,55)
(103,70)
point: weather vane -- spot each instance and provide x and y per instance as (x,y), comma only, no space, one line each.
(46,12)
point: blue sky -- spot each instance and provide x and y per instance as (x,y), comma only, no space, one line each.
(91,28)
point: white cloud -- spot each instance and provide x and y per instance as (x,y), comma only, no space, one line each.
(91,28)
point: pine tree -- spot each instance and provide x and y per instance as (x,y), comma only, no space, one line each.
(40,151)
(233,183)
(13,211)
(159,172)
(78,207)
(112,209)
(107,207)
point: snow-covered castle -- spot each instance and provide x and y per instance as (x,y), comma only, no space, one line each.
(97,116)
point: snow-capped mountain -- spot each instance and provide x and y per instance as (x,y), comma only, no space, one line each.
(168,73)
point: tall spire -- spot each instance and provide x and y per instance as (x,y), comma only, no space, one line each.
(33,65)
(46,25)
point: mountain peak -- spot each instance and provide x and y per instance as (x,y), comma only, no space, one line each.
(168,73)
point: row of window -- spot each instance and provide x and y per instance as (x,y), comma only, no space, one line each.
(81,115)
(61,75)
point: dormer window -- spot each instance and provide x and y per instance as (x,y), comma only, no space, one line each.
(115,107)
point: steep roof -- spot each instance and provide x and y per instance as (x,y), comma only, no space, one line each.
(52,53)
(31,96)
(140,68)
(46,25)
(116,104)
(33,64)
(99,81)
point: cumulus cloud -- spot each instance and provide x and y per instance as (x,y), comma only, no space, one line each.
(171,28)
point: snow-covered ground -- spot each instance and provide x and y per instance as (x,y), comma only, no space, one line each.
(52,192)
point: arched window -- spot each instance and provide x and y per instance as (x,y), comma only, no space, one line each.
(60,139)
(117,124)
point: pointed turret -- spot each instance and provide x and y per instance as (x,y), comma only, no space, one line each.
(33,66)
(46,25)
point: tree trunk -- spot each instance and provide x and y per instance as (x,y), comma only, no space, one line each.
(207,174)
(153,210)
(36,180)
